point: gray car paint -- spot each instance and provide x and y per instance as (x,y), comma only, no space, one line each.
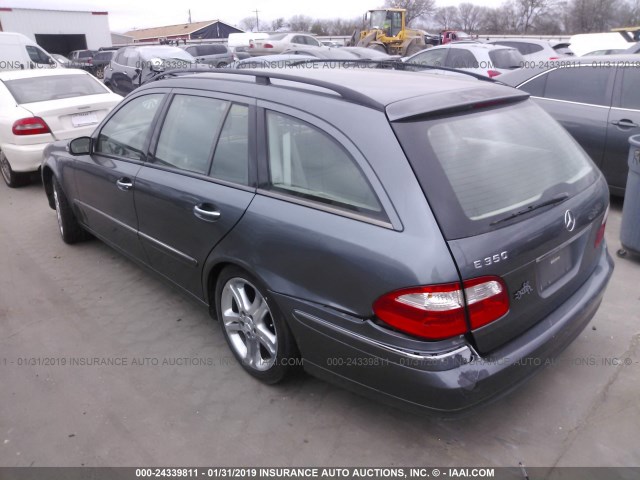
(324,267)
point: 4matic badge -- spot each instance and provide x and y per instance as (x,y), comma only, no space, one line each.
(526,289)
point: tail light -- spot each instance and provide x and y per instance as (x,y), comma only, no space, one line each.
(267,45)
(493,73)
(251,45)
(554,58)
(437,312)
(30,126)
(601,229)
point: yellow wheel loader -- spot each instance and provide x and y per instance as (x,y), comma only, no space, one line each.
(385,30)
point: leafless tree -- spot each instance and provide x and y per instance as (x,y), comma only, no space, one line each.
(445,17)
(300,23)
(416,9)
(248,24)
(469,17)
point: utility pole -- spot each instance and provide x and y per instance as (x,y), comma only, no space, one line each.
(257,21)
(189,15)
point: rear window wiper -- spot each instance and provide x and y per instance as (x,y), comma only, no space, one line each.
(552,201)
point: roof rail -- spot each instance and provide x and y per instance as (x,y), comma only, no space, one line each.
(264,78)
(349,94)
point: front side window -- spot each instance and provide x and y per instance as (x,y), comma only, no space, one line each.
(37,56)
(586,84)
(189,132)
(126,132)
(432,58)
(306,162)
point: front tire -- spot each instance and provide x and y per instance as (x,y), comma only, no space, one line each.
(253,327)
(70,229)
(11,178)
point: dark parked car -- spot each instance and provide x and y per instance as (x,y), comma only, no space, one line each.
(597,100)
(130,67)
(432,256)
(214,54)
(81,59)
(100,61)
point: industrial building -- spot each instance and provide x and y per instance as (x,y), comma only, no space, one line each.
(211,29)
(58,31)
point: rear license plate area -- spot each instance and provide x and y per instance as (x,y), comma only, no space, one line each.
(555,265)
(84,119)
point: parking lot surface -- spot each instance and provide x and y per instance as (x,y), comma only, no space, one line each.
(102,364)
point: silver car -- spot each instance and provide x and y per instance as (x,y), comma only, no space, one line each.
(279,42)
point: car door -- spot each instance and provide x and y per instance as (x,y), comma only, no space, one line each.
(579,97)
(624,121)
(105,180)
(461,58)
(198,183)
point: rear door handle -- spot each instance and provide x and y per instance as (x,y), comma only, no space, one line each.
(625,123)
(206,212)
(124,183)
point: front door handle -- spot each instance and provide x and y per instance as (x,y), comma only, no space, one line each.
(206,212)
(124,183)
(625,123)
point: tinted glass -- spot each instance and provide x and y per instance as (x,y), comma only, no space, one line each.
(125,134)
(231,160)
(306,162)
(630,95)
(189,131)
(579,84)
(103,56)
(485,165)
(210,50)
(523,48)
(535,86)
(460,58)
(37,56)
(53,87)
(433,58)
(506,58)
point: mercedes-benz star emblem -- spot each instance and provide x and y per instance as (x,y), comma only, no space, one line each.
(569,220)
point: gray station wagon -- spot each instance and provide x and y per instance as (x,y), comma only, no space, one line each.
(426,244)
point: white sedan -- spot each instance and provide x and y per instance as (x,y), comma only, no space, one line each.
(41,106)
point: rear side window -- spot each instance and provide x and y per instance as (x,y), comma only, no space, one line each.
(459,58)
(53,87)
(477,168)
(306,162)
(535,86)
(231,160)
(506,58)
(630,95)
(432,58)
(189,132)
(125,134)
(579,84)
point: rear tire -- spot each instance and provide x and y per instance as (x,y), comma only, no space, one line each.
(254,327)
(70,229)
(11,178)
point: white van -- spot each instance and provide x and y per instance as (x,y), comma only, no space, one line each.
(18,52)
(242,39)
(584,43)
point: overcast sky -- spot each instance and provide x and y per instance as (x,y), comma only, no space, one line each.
(129,14)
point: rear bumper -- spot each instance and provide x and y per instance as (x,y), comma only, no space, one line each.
(447,381)
(24,158)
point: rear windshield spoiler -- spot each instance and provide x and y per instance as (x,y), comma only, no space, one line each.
(453,101)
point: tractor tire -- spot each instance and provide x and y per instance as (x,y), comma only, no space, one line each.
(412,50)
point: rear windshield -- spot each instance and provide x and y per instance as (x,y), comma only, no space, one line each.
(506,58)
(479,168)
(211,49)
(53,87)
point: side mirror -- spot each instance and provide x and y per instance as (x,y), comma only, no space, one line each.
(80,146)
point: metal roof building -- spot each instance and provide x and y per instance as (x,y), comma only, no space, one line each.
(210,29)
(58,31)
